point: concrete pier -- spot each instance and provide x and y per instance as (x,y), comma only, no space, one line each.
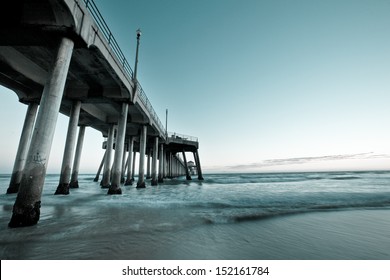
(63,187)
(141,171)
(24,144)
(129,177)
(154,162)
(125,161)
(100,76)
(198,168)
(74,181)
(148,176)
(161,164)
(133,168)
(26,210)
(100,167)
(105,183)
(119,148)
(187,171)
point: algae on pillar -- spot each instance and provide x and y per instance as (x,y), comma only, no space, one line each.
(24,144)
(63,187)
(119,147)
(26,210)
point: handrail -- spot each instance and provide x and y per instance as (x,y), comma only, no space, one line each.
(144,99)
(175,135)
(105,30)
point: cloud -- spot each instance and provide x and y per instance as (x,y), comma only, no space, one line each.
(305,160)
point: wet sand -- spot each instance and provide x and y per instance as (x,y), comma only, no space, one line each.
(355,234)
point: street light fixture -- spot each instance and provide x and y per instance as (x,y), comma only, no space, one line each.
(138,32)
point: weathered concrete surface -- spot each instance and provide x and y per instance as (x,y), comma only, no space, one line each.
(26,210)
(119,148)
(129,177)
(105,183)
(141,172)
(74,182)
(161,164)
(154,162)
(63,186)
(24,144)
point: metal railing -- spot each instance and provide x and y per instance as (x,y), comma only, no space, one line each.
(105,30)
(144,99)
(183,137)
(103,27)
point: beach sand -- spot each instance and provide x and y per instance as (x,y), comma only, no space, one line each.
(348,234)
(333,235)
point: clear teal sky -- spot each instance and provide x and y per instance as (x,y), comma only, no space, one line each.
(265,85)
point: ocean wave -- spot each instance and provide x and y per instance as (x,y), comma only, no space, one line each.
(345,178)
(251,214)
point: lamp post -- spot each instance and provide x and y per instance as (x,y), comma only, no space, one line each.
(136,54)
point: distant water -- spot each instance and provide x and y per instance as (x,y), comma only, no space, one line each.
(327,215)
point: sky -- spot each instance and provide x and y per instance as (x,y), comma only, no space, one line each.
(265,85)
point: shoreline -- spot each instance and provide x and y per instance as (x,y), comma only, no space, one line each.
(354,234)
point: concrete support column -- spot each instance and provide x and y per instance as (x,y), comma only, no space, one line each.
(170,165)
(187,171)
(198,168)
(74,181)
(166,164)
(130,163)
(161,164)
(124,163)
(141,172)
(24,143)
(119,147)
(26,210)
(100,167)
(148,164)
(133,167)
(63,186)
(107,161)
(154,162)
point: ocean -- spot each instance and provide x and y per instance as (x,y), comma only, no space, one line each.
(304,216)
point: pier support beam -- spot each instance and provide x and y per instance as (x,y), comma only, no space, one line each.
(74,180)
(100,167)
(24,143)
(26,210)
(124,163)
(161,164)
(130,163)
(141,171)
(154,162)
(105,183)
(133,167)
(198,168)
(187,171)
(149,151)
(63,187)
(119,148)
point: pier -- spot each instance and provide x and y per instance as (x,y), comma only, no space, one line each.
(61,57)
